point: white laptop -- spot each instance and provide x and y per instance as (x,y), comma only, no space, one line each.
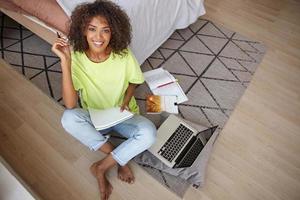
(178,144)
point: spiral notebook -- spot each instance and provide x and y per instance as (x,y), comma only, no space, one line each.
(162,83)
(103,119)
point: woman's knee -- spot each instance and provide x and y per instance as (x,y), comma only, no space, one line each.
(148,134)
(70,117)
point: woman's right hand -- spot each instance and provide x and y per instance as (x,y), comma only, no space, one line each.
(61,48)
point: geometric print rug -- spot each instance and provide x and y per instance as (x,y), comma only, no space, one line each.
(214,66)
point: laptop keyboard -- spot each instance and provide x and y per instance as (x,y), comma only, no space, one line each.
(175,143)
(189,154)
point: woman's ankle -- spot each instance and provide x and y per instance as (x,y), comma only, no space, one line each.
(105,164)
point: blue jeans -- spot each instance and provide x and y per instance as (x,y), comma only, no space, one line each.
(139,130)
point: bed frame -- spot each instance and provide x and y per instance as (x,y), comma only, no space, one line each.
(40,29)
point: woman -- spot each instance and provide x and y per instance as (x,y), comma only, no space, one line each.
(104,72)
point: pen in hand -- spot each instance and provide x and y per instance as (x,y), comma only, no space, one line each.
(64,37)
(58,35)
(61,47)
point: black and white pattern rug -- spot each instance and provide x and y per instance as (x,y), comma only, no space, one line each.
(214,66)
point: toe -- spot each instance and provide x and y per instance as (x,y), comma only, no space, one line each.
(131,180)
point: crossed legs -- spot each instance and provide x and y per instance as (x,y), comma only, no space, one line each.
(139,131)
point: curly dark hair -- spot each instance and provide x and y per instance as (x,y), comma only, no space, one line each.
(117,19)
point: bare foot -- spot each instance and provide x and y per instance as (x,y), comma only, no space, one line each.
(104,185)
(125,174)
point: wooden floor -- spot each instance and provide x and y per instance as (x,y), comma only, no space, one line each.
(257,155)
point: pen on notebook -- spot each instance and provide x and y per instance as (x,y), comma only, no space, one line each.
(167,83)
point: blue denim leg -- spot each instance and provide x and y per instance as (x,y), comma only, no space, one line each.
(77,122)
(141,134)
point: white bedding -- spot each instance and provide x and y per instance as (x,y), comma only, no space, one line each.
(153,21)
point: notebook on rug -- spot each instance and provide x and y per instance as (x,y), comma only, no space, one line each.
(161,82)
(103,119)
(178,144)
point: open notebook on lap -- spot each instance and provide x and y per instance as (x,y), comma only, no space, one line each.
(103,119)
(178,144)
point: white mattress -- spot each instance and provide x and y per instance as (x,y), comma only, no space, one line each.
(153,21)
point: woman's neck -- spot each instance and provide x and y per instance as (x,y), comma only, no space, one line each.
(98,57)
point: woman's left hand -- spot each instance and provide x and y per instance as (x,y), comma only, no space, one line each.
(124,107)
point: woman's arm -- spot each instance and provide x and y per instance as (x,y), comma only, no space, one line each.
(129,93)
(69,94)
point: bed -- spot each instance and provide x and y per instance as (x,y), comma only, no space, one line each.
(153,21)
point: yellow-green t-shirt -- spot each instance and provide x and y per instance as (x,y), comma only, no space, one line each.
(103,85)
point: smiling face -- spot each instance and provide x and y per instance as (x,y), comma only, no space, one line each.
(98,35)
